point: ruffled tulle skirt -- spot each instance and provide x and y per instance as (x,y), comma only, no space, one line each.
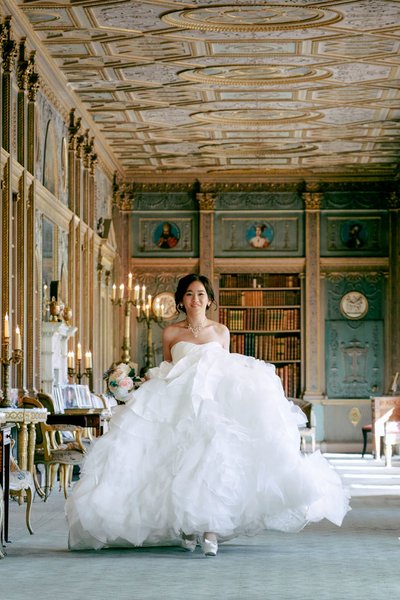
(209,443)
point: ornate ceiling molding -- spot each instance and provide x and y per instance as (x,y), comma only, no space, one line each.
(248,18)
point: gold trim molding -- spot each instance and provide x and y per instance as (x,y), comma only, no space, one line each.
(251,17)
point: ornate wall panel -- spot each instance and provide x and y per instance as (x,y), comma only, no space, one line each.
(163,234)
(354,234)
(354,346)
(354,359)
(259,234)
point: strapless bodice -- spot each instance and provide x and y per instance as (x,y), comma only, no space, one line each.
(183,348)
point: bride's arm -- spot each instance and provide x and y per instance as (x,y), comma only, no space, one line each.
(167,339)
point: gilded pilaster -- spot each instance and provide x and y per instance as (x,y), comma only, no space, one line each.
(21,297)
(78,176)
(5,239)
(72,273)
(33,87)
(393,302)
(207,203)
(86,151)
(85,298)
(77,284)
(33,313)
(313,351)
(9,54)
(22,78)
(91,293)
(73,130)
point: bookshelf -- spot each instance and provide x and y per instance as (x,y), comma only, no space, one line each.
(263,314)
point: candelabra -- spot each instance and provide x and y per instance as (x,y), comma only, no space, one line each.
(76,374)
(146,311)
(6,360)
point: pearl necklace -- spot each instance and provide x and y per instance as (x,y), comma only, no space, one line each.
(195,329)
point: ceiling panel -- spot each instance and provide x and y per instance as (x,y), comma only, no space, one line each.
(236,89)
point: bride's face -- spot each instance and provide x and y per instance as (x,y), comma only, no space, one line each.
(195,298)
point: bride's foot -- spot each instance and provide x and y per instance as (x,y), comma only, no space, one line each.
(209,544)
(189,542)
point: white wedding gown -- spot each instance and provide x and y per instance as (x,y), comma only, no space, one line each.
(209,443)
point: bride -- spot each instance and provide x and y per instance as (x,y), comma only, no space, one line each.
(205,450)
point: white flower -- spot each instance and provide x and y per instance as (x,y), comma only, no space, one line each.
(121,381)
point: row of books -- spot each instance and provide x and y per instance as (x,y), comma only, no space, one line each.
(290,377)
(259,297)
(267,347)
(249,280)
(270,319)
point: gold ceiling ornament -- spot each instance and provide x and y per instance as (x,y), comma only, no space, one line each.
(255,116)
(254,75)
(255,149)
(251,17)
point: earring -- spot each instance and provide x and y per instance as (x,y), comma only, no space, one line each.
(180,306)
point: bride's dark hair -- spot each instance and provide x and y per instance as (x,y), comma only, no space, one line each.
(183,285)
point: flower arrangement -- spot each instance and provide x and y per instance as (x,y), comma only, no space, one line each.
(121,381)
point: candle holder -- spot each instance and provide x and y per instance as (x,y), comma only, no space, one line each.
(145,313)
(77,374)
(148,317)
(6,360)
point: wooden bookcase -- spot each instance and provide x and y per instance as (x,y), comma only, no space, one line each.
(263,314)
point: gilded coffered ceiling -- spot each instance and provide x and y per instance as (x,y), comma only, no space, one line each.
(237,90)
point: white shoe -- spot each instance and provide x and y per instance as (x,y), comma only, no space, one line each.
(189,543)
(209,547)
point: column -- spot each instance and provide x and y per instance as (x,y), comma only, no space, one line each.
(33,313)
(22,250)
(8,54)
(206,200)
(22,78)
(312,348)
(393,303)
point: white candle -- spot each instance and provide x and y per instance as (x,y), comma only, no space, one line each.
(143,293)
(138,310)
(137,288)
(130,281)
(6,333)
(79,351)
(114,292)
(157,307)
(88,360)
(121,291)
(17,340)
(147,310)
(70,360)
(45,291)
(149,300)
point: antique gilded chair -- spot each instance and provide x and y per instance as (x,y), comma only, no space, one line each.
(21,486)
(53,453)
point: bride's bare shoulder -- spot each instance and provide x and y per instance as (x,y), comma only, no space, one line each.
(172,330)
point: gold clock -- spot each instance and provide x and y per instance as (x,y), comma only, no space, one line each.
(354,305)
(166,303)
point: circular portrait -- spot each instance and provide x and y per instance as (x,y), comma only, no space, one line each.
(166,235)
(353,234)
(260,235)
